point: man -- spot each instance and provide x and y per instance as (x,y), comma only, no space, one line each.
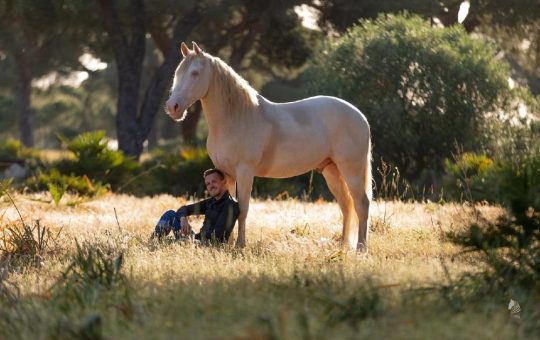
(220,213)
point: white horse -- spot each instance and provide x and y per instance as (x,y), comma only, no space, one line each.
(249,136)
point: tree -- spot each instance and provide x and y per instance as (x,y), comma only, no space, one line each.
(339,15)
(37,37)
(423,89)
(518,33)
(515,25)
(126,30)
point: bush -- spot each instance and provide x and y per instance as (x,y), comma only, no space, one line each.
(470,177)
(422,89)
(511,246)
(94,159)
(176,172)
(57,184)
(92,170)
(12,151)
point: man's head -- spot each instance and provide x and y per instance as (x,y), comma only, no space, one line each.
(215,182)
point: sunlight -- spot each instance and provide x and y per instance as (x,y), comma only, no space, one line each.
(309,16)
(463,11)
(92,63)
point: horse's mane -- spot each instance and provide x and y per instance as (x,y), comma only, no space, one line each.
(236,92)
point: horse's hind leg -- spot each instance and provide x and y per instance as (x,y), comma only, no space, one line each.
(355,176)
(338,188)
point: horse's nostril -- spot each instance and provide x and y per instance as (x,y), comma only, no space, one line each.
(175,107)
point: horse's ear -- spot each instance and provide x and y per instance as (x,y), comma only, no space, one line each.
(196,48)
(184,49)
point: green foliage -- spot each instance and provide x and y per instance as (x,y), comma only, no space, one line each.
(422,88)
(479,177)
(58,184)
(57,191)
(94,169)
(511,246)
(12,149)
(472,175)
(177,172)
(94,159)
(5,185)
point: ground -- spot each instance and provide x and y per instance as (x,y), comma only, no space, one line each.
(293,280)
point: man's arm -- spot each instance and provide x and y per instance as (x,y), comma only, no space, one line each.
(198,208)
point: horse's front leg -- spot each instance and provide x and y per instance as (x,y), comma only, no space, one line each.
(244,179)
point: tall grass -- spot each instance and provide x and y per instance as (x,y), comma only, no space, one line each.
(291,281)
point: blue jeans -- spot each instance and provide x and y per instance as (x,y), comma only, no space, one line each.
(167,222)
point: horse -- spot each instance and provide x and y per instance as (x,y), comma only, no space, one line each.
(249,136)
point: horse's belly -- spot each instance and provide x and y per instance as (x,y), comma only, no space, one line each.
(287,164)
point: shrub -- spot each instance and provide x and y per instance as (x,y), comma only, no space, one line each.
(511,246)
(422,89)
(470,177)
(94,159)
(12,151)
(177,172)
(57,184)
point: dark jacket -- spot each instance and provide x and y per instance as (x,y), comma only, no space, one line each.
(219,216)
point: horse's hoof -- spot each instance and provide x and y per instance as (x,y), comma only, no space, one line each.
(240,244)
(361,248)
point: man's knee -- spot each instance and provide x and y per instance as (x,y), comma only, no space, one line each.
(167,222)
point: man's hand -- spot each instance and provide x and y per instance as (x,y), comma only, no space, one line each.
(185,229)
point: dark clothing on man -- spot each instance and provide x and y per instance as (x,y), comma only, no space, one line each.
(219,218)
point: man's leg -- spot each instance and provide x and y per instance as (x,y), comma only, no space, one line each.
(167,222)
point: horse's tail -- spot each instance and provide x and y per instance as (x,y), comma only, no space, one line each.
(368,184)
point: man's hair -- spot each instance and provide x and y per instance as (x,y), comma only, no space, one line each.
(214,171)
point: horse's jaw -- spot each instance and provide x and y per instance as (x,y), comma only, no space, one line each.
(176,113)
(180,117)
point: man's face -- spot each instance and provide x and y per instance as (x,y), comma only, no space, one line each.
(215,184)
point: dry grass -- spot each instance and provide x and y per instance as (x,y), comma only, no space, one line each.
(291,281)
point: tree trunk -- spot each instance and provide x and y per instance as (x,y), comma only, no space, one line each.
(189,125)
(153,97)
(23,101)
(133,128)
(169,129)
(128,45)
(153,138)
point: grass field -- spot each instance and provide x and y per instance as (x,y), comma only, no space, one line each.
(292,281)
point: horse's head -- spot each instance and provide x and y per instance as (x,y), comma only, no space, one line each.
(191,81)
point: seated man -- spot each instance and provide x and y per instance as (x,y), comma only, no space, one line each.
(220,213)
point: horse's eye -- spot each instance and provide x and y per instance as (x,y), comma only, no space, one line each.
(194,73)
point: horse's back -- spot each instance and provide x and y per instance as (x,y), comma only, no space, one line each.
(330,111)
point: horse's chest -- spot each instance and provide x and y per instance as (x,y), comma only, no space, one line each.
(221,157)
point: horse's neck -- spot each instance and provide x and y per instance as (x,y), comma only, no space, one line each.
(219,120)
(213,111)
